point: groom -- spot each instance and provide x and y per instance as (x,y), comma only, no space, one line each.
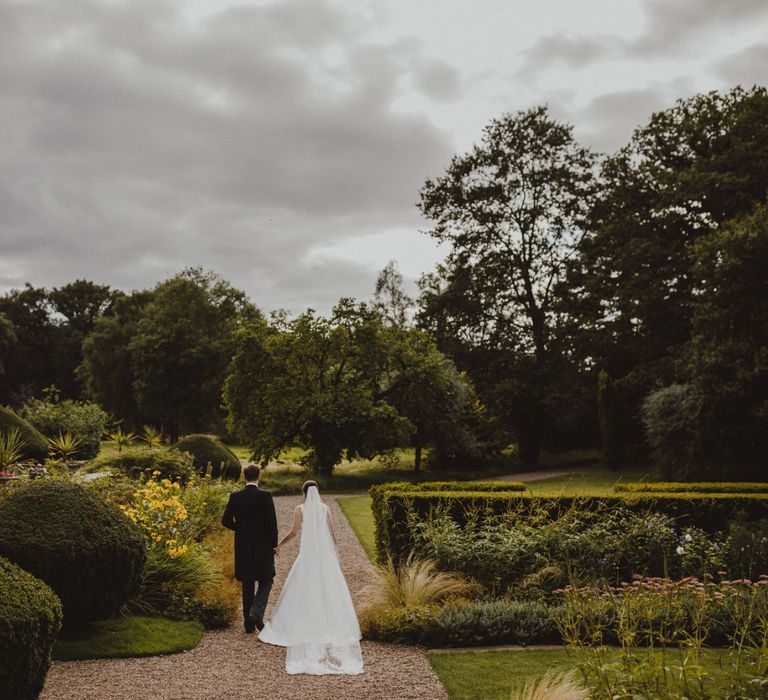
(251,514)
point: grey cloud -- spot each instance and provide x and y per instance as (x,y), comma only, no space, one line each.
(438,80)
(563,49)
(135,144)
(748,67)
(608,121)
(672,27)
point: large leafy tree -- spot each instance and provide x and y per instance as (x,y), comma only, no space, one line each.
(51,326)
(162,356)
(513,211)
(631,293)
(315,381)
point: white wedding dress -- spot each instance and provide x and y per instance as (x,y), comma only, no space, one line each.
(314,616)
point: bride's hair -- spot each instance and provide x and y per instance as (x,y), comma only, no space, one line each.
(305,486)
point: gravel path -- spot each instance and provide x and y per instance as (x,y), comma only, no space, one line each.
(230,665)
(539,475)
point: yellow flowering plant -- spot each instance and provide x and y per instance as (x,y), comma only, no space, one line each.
(158,510)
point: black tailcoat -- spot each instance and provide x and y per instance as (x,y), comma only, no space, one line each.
(251,514)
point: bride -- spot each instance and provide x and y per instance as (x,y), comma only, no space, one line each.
(314,616)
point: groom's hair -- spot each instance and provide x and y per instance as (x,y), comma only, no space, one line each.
(305,486)
(251,472)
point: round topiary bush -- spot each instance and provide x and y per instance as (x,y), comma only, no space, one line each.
(205,450)
(37,445)
(30,619)
(135,462)
(84,548)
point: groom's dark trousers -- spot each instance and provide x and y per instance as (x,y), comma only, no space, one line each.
(256,603)
(250,513)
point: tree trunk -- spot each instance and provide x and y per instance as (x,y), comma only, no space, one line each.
(417,458)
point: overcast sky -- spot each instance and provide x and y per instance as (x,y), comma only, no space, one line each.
(282,143)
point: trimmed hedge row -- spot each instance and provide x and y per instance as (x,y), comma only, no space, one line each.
(433,486)
(84,548)
(694,487)
(30,620)
(395,510)
(478,623)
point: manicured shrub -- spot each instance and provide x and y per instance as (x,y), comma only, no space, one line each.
(205,450)
(693,487)
(673,428)
(397,511)
(138,462)
(30,619)
(84,548)
(459,624)
(83,419)
(37,445)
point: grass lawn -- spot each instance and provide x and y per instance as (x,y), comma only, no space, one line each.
(492,675)
(357,510)
(129,636)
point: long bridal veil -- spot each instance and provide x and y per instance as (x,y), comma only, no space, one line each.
(314,616)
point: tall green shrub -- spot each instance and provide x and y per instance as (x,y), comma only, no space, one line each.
(205,450)
(84,548)
(83,419)
(138,462)
(36,445)
(30,619)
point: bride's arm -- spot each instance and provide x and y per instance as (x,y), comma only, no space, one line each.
(294,530)
(330,524)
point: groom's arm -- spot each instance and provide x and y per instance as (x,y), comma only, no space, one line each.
(228,519)
(272,522)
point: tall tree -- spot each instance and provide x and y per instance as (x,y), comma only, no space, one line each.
(182,348)
(389,297)
(631,291)
(315,381)
(513,210)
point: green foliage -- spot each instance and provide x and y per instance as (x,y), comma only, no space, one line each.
(513,210)
(85,549)
(162,356)
(673,429)
(137,462)
(36,445)
(83,419)
(398,512)
(49,327)
(151,437)
(12,446)
(320,382)
(208,450)
(694,487)
(462,624)
(30,619)
(65,446)
(610,418)
(640,278)
(122,439)
(129,637)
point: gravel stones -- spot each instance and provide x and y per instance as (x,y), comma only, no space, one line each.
(228,664)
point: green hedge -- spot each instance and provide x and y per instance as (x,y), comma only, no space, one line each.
(694,487)
(84,548)
(135,462)
(37,445)
(205,450)
(395,510)
(464,624)
(30,619)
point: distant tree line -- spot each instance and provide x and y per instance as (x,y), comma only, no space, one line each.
(585,300)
